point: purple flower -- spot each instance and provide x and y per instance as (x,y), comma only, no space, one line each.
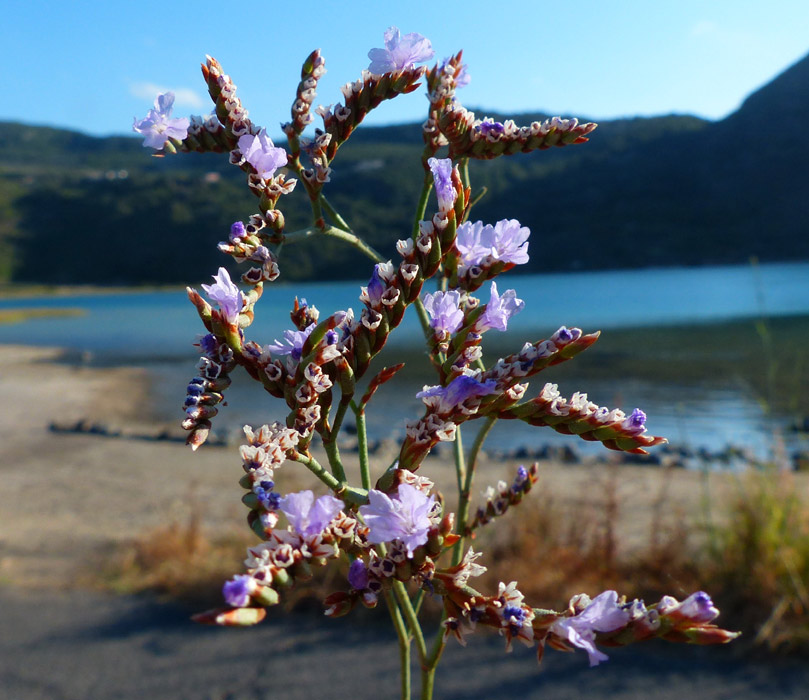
(603,614)
(489,126)
(309,517)
(698,607)
(226,294)
(294,340)
(500,309)
(406,518)
(358,575)
(444,311)
(400,53)
(237,231)
(260,152)
(157,128)
(457,392)
(635,423)
(505,242)
(376,287)
(237,591)
(442,175)
(510,242)
(474,243)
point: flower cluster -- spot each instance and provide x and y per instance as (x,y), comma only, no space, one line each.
(204,391)
(394,536)
(158,127)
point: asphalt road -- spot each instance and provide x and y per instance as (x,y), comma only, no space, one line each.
(88,646)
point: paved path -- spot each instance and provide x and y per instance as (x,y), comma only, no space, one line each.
(88,646)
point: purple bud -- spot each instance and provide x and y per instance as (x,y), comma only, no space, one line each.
(489,126)
(636,422)
(237,591)
(358,575)
(698,607)
(442,175)
(236,231)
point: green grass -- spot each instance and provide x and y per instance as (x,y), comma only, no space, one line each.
(22,315)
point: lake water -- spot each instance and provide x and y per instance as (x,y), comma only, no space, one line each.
(156,329)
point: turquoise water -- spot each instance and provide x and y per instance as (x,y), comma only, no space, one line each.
(144,325)
(157,329)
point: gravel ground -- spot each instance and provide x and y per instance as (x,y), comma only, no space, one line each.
(80,645)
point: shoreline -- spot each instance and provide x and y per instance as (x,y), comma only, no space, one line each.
(68,497)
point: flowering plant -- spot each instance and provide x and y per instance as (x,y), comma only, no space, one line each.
(394,531)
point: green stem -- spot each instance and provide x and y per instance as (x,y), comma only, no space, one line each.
(404,643)
(421,207)
(349,493)
(463,166)
(460,464)
(362,450)
(334,232)
(334,214)
(424,319)
(336,464)
(463,499)
(428,669)
(413,625)
(345,402)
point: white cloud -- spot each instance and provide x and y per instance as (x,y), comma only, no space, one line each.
(183,97)
(703,28)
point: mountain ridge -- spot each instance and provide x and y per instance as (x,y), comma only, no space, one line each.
(644,192)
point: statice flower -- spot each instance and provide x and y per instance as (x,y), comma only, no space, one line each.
(447,399)
(499,310)
(157,127)
(441,169)
(405,518)
(237,591)
(489,127)
(358,575)
(400,52)
(294,343)
(603,614)
(698,607)
(635,423)
(510,242)
(473,243)
(479,244)
(262,154)
(309,517)
(444,310)
(226,294)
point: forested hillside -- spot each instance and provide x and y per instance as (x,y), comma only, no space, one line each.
(673,190)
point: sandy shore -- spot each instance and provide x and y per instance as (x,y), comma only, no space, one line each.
(67,496)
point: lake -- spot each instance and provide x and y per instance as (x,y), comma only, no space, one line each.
(679,343)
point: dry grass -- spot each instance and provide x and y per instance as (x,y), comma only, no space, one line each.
(754,559)
(760,562)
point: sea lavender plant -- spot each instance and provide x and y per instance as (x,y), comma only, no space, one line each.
(394,531)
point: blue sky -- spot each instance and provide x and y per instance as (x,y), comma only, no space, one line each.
(94,66)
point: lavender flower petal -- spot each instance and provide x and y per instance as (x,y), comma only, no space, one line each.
(262,154)
(226,294)
(405,518)
(444,310)
(157,127)
(309,517)
(441,169)
(294,343)
(400,52)
(500,309)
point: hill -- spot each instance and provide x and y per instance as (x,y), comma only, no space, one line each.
(670,190)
